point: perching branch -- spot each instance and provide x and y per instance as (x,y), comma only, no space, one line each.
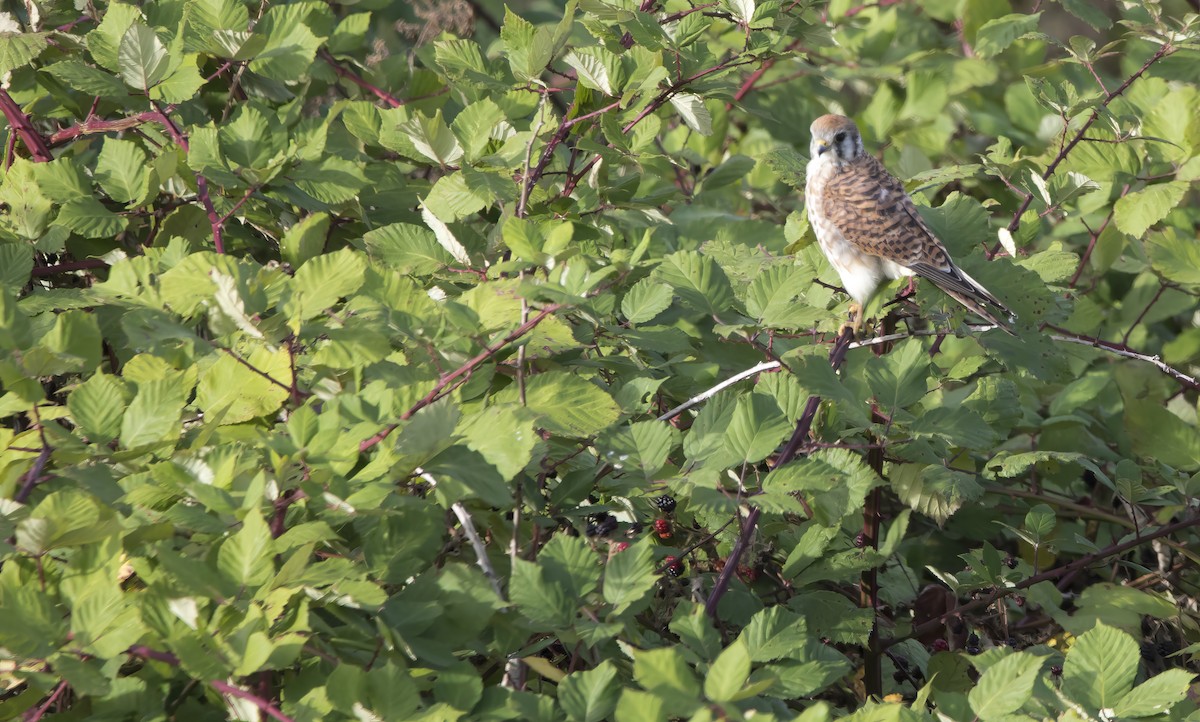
(709,393)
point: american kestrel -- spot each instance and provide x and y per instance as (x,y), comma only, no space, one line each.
(869,228)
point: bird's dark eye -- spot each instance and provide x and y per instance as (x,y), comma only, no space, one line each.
(839,137)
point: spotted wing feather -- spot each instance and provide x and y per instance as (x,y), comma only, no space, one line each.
(874,213)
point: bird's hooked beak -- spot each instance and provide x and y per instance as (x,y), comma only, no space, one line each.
(822,146)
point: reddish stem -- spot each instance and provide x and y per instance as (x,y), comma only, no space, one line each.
(19,122)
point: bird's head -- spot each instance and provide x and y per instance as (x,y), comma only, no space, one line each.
(836,136)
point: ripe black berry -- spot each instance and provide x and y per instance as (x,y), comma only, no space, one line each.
(675,567)
(602,525)
(666,503)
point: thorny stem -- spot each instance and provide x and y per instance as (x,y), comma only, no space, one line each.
(836,356)
(19,122)
(265,706)
(389,99)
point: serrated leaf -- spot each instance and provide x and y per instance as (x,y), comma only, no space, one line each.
(86,79)
(1005,686)
(629,576)
(1156,695)
(246,557)
(89,218)
(642,446)
(121,171)
(1174,256)
(234,391)
(19,49)
(528,49)
(153,415)
(646,299)
(994,36)
(728,674)
(597,68)
(473,127)
(756,429)
(698,280)
(445,237)
(590,696)
(182,84)
(142,57)
(1100,667)
(407,248)
(320,282)
(569,405)
(693,111)
(935,491)
(1137,211)
(305,239)
(97,406)
(432,138)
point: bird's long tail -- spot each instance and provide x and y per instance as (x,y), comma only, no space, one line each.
(970,293)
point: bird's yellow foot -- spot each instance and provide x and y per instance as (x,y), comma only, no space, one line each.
(855,323)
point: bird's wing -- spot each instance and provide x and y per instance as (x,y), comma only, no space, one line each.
(874,213)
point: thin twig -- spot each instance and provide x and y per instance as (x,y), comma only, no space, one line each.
(262,704)
(440,387)
(1113,550)
(709,393)
(1066,336)
(1163,50)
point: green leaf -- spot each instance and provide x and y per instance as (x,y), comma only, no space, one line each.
(693,111)
(20,49)
(1174,256)
(408,248)
(1088,13)
(1156,695)
(473,126)
(728,674)
(121,170)
(1005,686)
(665,673)
(105,41)
(698,280)
(995,36)
(504,435)
(1100,667)
(153,415)
(86,79)
(233,390)
(528,49)
(569,405)
(142,57)
(646,299)
(898,379)
(305,239)
(542,602)
(89,218)
(642,446)
(756,429)
(16,263)
(1137,211)
(97,406)
(774,633)
(182,84)
(935,491)
(246,558)
(597,68)
(330,180)
(290,46)
(1159,434)
(432,138)
(590,696)
(629,576)
(320,282)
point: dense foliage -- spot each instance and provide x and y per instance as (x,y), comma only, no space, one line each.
(341,345)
